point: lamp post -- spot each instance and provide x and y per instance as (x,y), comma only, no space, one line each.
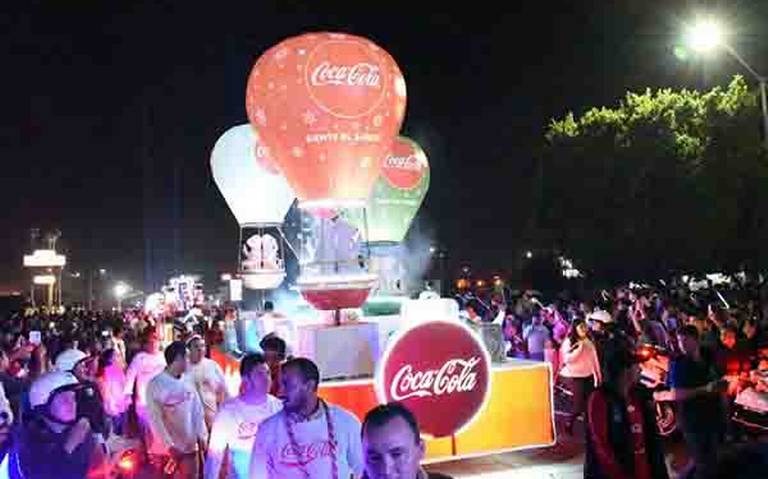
(706,35)
(120,290)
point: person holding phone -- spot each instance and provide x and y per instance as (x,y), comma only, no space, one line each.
(581,368)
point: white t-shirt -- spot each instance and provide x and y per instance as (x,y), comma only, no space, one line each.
(175,415)
(233,432)
(207,378)
(144,366)
(274,457)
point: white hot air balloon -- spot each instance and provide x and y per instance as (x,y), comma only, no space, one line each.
(259,198)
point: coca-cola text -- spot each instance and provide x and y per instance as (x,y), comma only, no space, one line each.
(360,74)
(455,376)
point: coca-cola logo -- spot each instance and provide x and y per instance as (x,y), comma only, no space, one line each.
(360,74)
(347,78)
(247,429)
(456,375)
(439,370)
(405,165)
(303,454)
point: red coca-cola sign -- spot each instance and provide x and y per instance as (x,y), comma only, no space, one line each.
(405,165)
(439,370)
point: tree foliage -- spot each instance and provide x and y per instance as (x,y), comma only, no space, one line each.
(665,181)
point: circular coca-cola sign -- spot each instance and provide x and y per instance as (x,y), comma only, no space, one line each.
(405,165)
(439,370)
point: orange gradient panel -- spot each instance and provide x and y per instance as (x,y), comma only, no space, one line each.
(518,413)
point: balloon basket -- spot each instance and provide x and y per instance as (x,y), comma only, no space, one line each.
(262,279)
(333,293)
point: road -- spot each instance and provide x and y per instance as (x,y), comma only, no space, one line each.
(563,461)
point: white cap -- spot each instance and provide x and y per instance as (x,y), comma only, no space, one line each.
(602,316)
(67,360)
(44,386)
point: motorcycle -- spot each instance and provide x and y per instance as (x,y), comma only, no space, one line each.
(654,370)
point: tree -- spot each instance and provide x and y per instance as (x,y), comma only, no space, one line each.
(665,181)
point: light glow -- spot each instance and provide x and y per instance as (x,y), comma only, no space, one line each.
(44,279)
(704,35)
(121,289)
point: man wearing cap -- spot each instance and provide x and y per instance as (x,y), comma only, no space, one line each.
(206,377)
(55,442)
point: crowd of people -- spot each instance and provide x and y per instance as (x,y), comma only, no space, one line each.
(717,343)
(74,382)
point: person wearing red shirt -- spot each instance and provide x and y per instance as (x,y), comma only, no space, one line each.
(622,430)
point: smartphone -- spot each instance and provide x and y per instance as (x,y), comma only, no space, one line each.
(35,338)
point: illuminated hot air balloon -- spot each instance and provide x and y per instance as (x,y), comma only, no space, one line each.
(397,194)
(328,106)
(259,198)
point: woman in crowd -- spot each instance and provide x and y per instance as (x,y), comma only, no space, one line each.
(581,368)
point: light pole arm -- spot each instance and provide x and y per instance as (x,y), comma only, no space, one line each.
(732,51)
(763,95)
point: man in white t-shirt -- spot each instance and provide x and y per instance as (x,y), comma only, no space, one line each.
(234,428)
(308,438)
(176,418)
(145,365)
(206,377)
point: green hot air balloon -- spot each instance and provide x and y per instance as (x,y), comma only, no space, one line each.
(396,196)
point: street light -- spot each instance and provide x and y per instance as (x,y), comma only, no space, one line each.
(706,35)
(120,290)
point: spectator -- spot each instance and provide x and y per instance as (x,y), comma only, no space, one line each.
(695,387)
(206,377)
(622,427)
(111,381)
(392,445)
(536,336)
(236,423)
(516,347)
(274,353)
(54,442)
(176,417)
(581,368)
(308,438)
(145,365)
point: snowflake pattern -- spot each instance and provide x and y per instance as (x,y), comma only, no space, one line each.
(281,54)
(261,116)
(309,118)
(377,121)
(302,52)
(297,151)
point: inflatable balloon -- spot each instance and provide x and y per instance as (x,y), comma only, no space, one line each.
(397,194)
(328,106)
(255,194)
(258,196)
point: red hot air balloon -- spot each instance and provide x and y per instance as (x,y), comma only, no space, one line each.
(328,106)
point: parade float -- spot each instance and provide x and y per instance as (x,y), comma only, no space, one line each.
(329,107)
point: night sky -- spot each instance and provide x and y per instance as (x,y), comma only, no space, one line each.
(108,113)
